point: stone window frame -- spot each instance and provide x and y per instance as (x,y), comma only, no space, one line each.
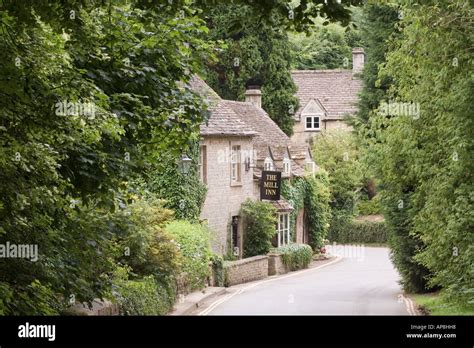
(283,229)
(203,164)
(237,162)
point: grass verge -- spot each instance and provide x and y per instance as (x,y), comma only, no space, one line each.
(434,304)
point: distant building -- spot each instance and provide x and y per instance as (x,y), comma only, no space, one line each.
(325,97)
(237,143)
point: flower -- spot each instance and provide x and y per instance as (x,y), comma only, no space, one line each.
(322,250)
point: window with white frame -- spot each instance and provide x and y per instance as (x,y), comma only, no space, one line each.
(312,122)
(283,229)
(235,164)
(203,164)
(310,166)
(268,164)
(286,167)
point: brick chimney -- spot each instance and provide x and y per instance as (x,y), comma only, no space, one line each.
(358,59)
(254,96)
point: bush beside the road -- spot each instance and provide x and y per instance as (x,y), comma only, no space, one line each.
(194,245)
(360,232)
(259,227)
(295,256)
(143,296)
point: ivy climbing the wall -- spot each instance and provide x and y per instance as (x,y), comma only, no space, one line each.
(183,193)
(311,193)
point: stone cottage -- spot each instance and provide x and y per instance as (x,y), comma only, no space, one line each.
(326,97)
(238,141)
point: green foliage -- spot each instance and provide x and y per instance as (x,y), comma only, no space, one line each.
(259,220)
(317,208)
(218,269)
(142,297)
(193,241)
(423,161)
(369,207)
(311,193)
(338,154)
(62,174)
(377,26)
(426,161)
(295,256)
(183,193)
(144,245)
(294,191)
(356,231)
(326,47)
(256,54)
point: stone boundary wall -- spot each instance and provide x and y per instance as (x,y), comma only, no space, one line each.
(276,265)
(246,270)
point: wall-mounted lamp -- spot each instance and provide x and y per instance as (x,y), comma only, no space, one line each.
(185,164)
(248,164)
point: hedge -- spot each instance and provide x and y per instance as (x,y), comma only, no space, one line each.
(359,232)
(143,296)
(295,256)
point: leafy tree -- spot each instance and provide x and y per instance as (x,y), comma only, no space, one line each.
(326,47)
(62,172)
(257,54)
(425,157)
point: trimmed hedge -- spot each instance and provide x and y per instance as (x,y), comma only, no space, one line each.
(295,256)
(360,232)
(144,296)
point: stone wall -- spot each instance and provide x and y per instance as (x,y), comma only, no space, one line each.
(276,265)
(223,199)
(246,270)
(302,137)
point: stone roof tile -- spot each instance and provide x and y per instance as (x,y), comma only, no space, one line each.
(336,90)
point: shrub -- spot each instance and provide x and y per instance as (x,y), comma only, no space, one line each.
(317,208)
(145,296)
(295,256)
(143,243)
(259,221)
(193,241)
(355,231)
(369,207)
(218,269)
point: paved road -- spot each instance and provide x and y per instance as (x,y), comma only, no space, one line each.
(363,282)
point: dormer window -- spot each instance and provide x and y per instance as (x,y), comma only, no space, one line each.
(268,164)
(286,167)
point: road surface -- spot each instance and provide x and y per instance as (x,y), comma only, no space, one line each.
(359,282)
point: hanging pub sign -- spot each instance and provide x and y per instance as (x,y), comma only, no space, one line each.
(270,185)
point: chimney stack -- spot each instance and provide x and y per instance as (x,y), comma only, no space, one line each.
(358,59)
(254,96)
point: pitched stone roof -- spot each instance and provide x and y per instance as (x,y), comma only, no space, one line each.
(299,152)
(223,120)
(336,90)
(268,131)
(235,118)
